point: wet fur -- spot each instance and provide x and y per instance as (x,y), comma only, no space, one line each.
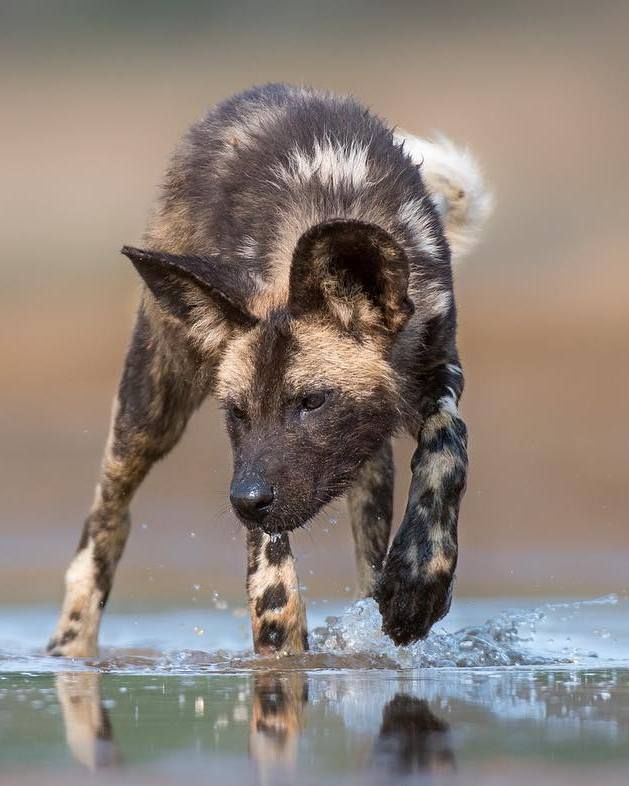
(295,248)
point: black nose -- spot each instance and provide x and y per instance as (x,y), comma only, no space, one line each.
(251,498)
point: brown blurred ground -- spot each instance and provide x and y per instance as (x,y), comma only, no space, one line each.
(91,109)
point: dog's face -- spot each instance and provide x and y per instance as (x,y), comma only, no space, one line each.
(305,406)
(308,391)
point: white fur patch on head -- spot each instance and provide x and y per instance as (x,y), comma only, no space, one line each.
(456,187)
(330,161)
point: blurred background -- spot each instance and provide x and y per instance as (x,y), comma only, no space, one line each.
(94,97)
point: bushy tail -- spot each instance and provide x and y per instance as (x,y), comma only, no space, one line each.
(455,183)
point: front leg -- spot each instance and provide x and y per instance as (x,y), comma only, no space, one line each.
(415,589)
(278,616)
(157,394)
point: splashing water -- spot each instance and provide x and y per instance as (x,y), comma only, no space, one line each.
(509,639)
(498,642)
(576,634)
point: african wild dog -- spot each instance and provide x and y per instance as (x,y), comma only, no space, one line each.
(297,267)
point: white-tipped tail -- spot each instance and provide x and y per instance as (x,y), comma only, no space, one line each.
(456,186)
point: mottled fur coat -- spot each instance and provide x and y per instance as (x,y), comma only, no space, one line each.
(297,266)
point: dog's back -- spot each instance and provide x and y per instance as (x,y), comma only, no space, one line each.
(261,168)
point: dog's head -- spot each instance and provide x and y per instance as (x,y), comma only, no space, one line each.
(308,390)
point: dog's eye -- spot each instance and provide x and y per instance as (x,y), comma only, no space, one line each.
(313,401)
(237,412)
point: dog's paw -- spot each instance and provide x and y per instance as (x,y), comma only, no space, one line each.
(69,644)
(410,605)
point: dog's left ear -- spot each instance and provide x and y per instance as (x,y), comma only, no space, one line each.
(352,271)
(183,284)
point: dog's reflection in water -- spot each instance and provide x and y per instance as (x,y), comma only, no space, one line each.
(87,725)
(277,719)
(411,739)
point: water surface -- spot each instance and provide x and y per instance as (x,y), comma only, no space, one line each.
(494,695)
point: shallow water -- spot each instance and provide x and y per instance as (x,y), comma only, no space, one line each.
(492,696)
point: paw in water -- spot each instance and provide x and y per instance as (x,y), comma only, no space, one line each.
(410,605)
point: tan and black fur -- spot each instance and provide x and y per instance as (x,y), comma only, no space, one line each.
(297,268)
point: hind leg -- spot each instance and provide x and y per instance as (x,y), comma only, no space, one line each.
(371,509)
(157,394)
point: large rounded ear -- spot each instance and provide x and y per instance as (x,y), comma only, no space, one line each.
(353,272)
(182,285)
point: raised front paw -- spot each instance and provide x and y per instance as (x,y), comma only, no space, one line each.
(412,598)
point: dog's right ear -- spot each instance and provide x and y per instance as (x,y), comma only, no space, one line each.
(183,285)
